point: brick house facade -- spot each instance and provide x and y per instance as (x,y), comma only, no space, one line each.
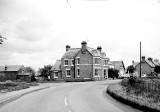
(147,66)
(82,63)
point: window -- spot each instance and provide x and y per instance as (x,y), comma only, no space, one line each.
(55,74)
(78,61)
(65,62)
(105,72)
(68,73)
(96,72)
(78,72)
(105,62)
(96,60)
(72,61)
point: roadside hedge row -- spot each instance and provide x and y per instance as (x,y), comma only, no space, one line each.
(119,93)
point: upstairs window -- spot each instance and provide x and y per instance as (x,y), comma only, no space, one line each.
(96,60)
(78,61)
(65,62)
(72,61)
(105,62)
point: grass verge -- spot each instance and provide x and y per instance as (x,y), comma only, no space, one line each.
(9,86)
(119,93)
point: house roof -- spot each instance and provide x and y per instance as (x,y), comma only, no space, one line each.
(25,74)
(71,53)
(57,65)
(96,52)
(156,62)
(135,64)
(117,64)
(150,63)
(11,68)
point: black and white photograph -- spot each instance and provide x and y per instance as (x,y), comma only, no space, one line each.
(79,55)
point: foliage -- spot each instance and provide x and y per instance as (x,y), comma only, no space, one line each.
(45,71)
(148,88)
(32,71)
(130,69)
(1,39)
(9,85)
(157,69)
(113,73)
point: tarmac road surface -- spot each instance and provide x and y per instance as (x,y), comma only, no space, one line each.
(69,97)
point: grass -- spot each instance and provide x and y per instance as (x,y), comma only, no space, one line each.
(9,86)
(122,93)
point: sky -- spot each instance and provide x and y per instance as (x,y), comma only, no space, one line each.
(37,31)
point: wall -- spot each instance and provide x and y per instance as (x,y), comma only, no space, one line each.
(86,65)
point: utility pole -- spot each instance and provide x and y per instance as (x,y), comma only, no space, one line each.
(140,60)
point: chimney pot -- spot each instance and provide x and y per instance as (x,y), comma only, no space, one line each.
(99,48)
(143,58)
(150,59)
(5,67)
(84,46)
(67,47)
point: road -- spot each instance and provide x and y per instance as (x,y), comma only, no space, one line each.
(69,97)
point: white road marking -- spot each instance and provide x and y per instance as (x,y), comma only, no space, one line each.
(65,101)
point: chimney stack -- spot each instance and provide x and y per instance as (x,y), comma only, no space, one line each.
(5,67)
(150,59)
(99,48)
(143,58)
(67,47)
(133,62)
(84,46)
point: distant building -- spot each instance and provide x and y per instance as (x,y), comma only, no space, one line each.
(147,65)
(81,63)
(14,72)
(119,65)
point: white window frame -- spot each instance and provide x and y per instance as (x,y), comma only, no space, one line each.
(78,74)
(97,60)
(78,58)
(67,72)
(55,74)
(72,64)
(65,63)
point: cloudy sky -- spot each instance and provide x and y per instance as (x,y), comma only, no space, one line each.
(37,31)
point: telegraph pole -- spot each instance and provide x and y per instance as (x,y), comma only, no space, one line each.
(140,60)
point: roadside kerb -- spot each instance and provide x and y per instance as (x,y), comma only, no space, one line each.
(14,97)
(130,101)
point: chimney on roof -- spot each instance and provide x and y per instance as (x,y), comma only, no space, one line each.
(143,58)
(84,46)
(67,47)
(133,62)
(5,68)
(99,48)
(150,59)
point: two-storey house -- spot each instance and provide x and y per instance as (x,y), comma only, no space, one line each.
(82,63)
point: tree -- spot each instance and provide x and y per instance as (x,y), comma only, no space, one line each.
(113,73)
(32,71)
(157,69)
(130,69)
(1,39)
(45,71)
